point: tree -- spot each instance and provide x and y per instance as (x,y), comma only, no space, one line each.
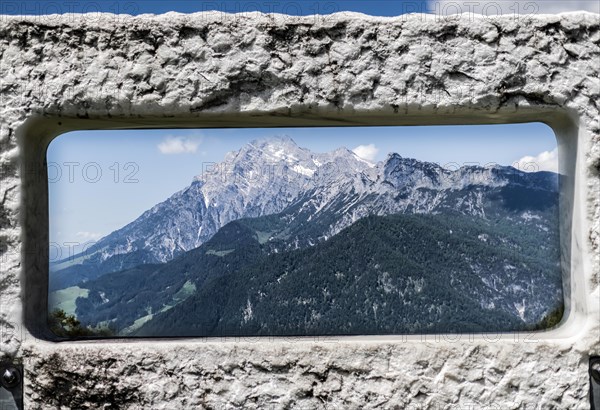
(65,325)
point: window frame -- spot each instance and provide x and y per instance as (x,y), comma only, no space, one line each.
(37,132)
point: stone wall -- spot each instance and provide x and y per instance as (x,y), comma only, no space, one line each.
(326,68)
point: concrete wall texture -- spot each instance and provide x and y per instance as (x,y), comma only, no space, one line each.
(330,67)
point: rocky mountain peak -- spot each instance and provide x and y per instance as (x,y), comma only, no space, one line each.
(269,175)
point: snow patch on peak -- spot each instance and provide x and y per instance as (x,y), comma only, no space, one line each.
(303,170)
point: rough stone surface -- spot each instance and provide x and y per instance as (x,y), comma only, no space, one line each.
(188,65)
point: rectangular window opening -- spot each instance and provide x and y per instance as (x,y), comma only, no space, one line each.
(304,231)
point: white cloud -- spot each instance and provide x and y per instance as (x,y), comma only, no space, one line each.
(544,161)
(368,152)
(88,236)
(511,7)
(179,145)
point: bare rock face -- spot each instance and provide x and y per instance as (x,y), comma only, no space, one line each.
(268,175)
(262,178)
(341,67)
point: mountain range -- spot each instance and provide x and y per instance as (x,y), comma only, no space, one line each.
(271,175)
(290,205)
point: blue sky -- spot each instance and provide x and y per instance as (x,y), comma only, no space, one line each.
(101,180)
(297,7)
